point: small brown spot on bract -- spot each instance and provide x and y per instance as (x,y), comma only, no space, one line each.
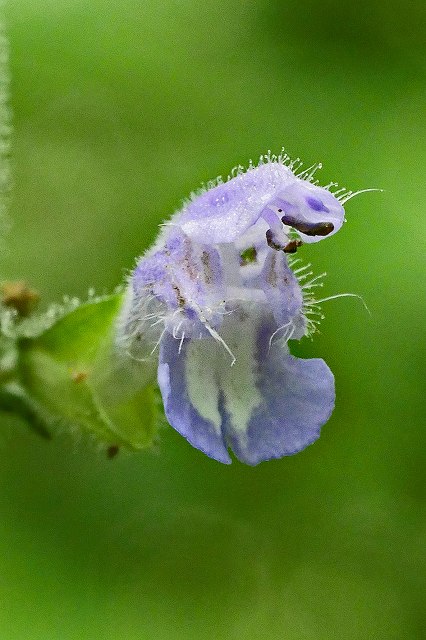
(79,376)
(112,451)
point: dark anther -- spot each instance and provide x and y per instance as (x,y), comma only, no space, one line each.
(318,229)
(280,210)
(309,228)
(270,241)
(291,247)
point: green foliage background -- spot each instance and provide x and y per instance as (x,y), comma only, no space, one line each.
(121,109)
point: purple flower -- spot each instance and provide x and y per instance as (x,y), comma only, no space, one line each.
(220,297)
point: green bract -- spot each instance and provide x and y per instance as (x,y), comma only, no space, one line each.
(72,374)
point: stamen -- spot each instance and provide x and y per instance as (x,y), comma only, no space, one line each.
(270,241)
(275,235)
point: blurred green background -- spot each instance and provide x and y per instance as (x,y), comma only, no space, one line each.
(120,110)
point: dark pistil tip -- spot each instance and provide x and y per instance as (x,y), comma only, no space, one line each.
(292,246)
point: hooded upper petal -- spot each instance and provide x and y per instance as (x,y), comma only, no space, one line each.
(226,211)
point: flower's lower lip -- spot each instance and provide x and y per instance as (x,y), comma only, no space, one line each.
(270,405)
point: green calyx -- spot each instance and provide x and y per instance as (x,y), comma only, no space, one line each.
(72,374)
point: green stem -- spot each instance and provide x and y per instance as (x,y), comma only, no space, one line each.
(14,400)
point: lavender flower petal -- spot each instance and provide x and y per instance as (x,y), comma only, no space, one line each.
(281,287)
(297,399)
(268,405)
(311,210)
(217,296)
(199,422)
(224,212)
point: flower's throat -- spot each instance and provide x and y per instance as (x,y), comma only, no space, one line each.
(248,256)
